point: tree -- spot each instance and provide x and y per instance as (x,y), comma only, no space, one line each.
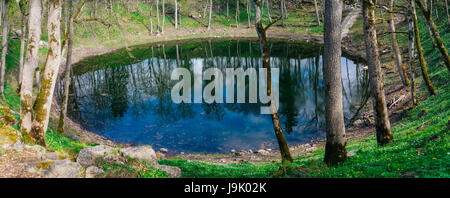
(151,17)
(382,123)
(65,98)
(163,15)
(24,13)
(176,14)
(435,32)
(448,14)
(210,11)
(50,72)
(282,12)
(398,57)
(411,55)
(30,64)
(335,150)
(317,13)
(236,15)
(4,47)
(282,143)
(423,63)
(249,13)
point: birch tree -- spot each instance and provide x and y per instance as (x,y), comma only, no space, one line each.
(30,64)
(411,55)
(382,123)
(50,72)
(316,9)
(24,14)
(210,12)
(335,150)
(65,98)
(282,143)
(176,14)
(5,33)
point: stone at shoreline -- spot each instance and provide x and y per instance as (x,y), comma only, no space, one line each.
(87,156)
(263,152)
(164,150)
(172,171)
(144,153)
(93,171)
(55,168)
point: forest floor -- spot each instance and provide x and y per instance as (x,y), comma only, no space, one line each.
(420,147)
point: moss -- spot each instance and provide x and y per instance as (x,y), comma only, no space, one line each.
(44,165)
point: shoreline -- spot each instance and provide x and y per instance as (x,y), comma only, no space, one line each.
(353,132)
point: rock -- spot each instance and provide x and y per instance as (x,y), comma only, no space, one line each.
(52,156)
(87,156)
(250,151)
(172,171)
(269,149)
(55,168)
(93,171)
(144,153)
(160,155)
(233,151)
(111,158)
(358,122)
(263,152)
(351,153)
(164,150)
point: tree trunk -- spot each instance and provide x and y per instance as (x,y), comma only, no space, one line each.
(228,8)
(268,11)
(248,13)
(210,11)
(398,57)
(430,34)
(65,99)
(411,56)
(4,48)
(282,143)
(157,15)
(50,72)
(317,13)
(382,123)
(163,15)
(2,11)
(423,64)
(236,15)
(176,14)
(448,15)
(282,13)
(22,43)
(151,18)
(335,150)
(435,32)
(31,62)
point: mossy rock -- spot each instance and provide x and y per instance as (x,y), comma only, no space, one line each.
(9,135)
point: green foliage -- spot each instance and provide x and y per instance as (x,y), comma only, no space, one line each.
(63,143)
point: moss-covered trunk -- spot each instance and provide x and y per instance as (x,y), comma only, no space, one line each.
(335,148)
(50,72)
(65,99)
(282,143)
(423,63)
(435,32)
(382,123)
(30,64)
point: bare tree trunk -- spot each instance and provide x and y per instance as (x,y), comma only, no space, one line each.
(4,48)
(22,40)
(317,13)
(163,16)
(335,150)
(268,11)
(423,64)
(411,56)
(65,99)
(151,18)
(282,143)
(157,15)
(2,11)
(31,62)
(382,123)
(430,34)
(50,72)
(398,57)
(176,14)
(237,14)
(282,13)
(435,32)
(248,13)
(210,11)
(228,8)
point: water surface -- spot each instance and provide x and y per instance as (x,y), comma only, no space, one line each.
(125,96)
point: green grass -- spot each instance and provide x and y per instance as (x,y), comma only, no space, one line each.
(63,143)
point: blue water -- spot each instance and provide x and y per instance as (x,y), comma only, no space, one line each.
(132,104)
